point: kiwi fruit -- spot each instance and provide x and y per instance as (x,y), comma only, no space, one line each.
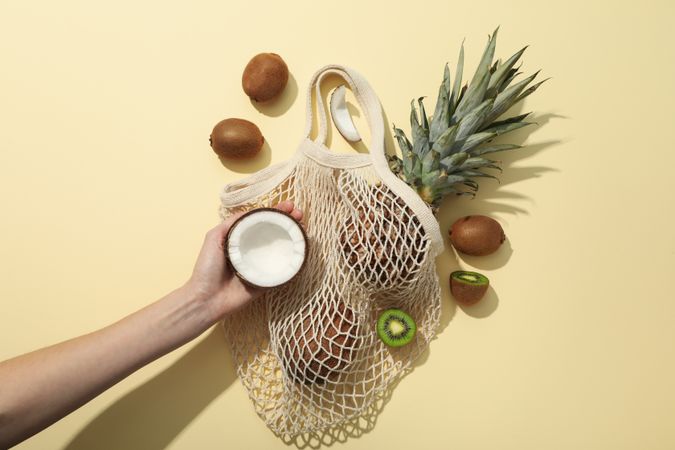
(396,328)
(323,343)
(468,287)
(264,77)
(236,139)
(477,235)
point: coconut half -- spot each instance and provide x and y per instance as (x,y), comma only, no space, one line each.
(340,114)
(266,247)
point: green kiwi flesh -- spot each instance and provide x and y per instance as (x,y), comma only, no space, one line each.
(474,278)
(468,287)
(396,328)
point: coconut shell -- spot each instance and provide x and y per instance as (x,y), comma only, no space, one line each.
(315,352)
(383,227)
(477,235)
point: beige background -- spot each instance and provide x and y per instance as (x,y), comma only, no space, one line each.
(107,184)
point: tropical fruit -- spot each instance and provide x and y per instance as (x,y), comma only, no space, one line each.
(448,150)
(266,247)
(264,77)
(236,139)
(322,343)
(468,287)
(476,235)
(396,328)
(382,241)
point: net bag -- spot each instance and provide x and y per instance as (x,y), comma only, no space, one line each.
(308,352)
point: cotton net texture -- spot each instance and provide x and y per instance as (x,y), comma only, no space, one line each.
(308,352)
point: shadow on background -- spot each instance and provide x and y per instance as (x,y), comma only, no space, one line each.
(278,106)
(484,308)
(491,198)
(153,414)
(491,262)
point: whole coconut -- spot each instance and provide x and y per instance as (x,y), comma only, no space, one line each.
(476,235)
(236,139)
(323,346)
(264,77)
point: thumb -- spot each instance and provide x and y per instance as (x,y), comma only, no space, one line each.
(217,234)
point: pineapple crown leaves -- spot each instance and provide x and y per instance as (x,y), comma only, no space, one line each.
(448,149)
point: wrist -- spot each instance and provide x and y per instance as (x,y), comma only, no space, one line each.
(201,301)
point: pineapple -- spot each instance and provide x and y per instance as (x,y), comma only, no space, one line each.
(448,150)
(385,247)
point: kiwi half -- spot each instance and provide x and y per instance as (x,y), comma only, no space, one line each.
(468,287)
(396,328)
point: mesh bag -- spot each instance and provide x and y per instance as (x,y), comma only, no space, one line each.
(308,352)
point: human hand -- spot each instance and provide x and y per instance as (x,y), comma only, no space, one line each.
(213,282)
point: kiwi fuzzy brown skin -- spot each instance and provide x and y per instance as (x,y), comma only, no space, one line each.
(477,235)
(465,292)
(313,359)
(236,139)
(264,77)
(248,213)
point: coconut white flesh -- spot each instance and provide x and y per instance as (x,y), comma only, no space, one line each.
(340,114)
(266,248)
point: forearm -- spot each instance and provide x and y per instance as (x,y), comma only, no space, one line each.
(39,388)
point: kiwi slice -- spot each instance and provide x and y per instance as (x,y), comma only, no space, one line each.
(396,328)
(468,287)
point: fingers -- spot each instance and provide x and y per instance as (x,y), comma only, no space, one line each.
(219,232)
(296,214)
(227,223)
(285,206)
(288,207)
